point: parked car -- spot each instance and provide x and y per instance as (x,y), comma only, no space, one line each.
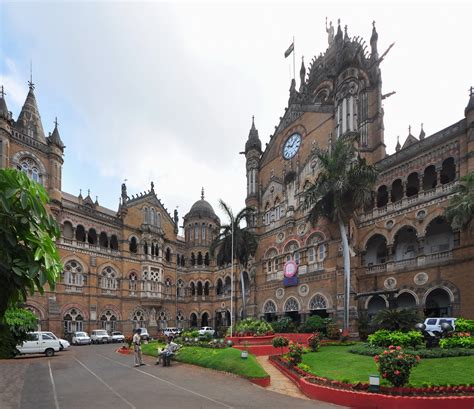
(144,334)
(172,332)
(434,324)
(206,330)
(100,336)
(39,343)
(63,343)
(81,338)
(117,336)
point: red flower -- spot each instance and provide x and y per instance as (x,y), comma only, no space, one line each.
(398,348)
(397,372)
(376,358)
(391,347)
(384,375)
(385,352)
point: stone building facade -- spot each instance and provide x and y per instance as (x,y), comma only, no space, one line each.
(129,267)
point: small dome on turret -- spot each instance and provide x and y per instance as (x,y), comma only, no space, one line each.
(470,104)
(4,114)
(201,208)
(54,138)
(254,141)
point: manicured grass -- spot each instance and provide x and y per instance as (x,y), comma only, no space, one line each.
(227,359)
(335,362)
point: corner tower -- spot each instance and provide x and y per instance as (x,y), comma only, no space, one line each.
(253,152)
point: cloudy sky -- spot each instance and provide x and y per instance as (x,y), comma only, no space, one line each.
(166,91)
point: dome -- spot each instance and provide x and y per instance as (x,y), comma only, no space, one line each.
(201,208)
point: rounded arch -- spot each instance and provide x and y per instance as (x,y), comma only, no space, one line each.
(291,245)
(404,298)
(269,306)
(397,231)
(82,310)
(77,259)
(438,287)
(113,308)
(291,304)
(383,297)
(31,304)
(193,319)
(111,264)
(320,301)
(364,239)
(22,155)
(270,252)
(315,237)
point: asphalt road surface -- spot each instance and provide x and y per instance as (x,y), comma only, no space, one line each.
(96,377)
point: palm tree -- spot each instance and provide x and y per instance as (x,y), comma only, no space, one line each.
(460,210)
(244,243)
(344,184)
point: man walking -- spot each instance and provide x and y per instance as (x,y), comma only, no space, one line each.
(137,340)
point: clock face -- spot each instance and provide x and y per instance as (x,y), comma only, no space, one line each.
(291,146)
(290,269)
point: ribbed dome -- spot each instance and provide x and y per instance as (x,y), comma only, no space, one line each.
(201,208)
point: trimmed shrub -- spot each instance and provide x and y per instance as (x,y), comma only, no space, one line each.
(384,338)
(314,341)
(463,325)
(284,325)
(251,326)
(369,350)
(314,323)
(280,342)
(295,355)
(333,331)
(395,365)
(460,340)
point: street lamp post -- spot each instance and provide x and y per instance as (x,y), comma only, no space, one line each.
(232,281)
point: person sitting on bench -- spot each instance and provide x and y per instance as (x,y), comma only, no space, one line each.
(167,352)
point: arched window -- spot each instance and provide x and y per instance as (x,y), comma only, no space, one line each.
(430,178)
(203,232)
(316,249)
(271,260)
(30,167)
(73,321)
(146,216)
(206,288)
(291,304)
(193,320)
(68,231)
(397,190)
(196,231)
(269,310)
(108,321)
(382,196)
(227,285)
(73,274)
(219,287)
(138,319)
(182,261)
(448,171)
(180,292)
(376,250)
(168,254)
(405,244)
(151,281)
(114,243)
(193,259)
(108,279)
(318,302)
(133,245)
(199,288)
(145,247)
(132,283)
(158,219)
(193,288)
(92,236)
(199,259)
(205,319)
(292,252)
(206,259)
(152,216)
(80,233)
(103,240)
(413,184)
(439,236)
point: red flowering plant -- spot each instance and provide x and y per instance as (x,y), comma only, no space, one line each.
(295,354)
(395,366)
(314,341)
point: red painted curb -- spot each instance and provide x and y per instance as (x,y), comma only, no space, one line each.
(264,382)
(262,350)
(365,400)
(123,351)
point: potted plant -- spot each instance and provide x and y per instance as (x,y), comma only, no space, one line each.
(245,352)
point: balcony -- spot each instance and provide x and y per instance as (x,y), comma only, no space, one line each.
(73,289)
(419,261)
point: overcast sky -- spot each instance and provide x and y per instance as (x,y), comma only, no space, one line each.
(166,92)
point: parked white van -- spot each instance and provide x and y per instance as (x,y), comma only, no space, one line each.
(39,343)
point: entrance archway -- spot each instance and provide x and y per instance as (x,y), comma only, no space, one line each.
(193,320)
(406,300)
(375,304)
(292,308)
(438,304)
(205,320)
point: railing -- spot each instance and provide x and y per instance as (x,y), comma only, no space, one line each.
(409,262)
(318,266)
(419,261)
(376,268)
(437,257)
(73,289)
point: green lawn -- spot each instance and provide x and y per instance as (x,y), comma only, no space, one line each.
(335,362)
(227,359)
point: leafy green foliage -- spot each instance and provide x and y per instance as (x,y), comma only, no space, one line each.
(464,325)
(371,350)
(251,326)
(461,340)
(396,319)
(385,338)
(284,325)
(395,365)
(460,210)
(28,257)
(17,323)
(314,323)
(333,331)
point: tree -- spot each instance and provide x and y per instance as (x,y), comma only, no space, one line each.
(28,256)
(396,320)
(460,210)
(17,323)
(244,242)
(344,185)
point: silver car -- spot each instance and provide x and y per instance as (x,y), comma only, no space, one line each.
(81,338)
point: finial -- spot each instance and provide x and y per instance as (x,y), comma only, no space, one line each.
(409,129)
(338,21)
(3,93)
(345,29)
(373,23)
(398,147)
(202,193)
(471,91)
(152,186)
(56,122)
(30,82)
(253,118)
(80,192)
(88,192)
(97,199)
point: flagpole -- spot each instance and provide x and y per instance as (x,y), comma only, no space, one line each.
(232,281)
(294,52)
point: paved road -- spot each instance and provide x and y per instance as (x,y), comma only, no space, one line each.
(96,377)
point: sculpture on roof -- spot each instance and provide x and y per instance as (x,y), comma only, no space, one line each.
(330,31)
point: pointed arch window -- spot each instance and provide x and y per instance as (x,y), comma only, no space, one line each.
(73,321)
(73,274)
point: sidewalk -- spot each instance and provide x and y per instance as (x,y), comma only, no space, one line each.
(279,382)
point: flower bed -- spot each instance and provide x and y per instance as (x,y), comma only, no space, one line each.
(252,340)
(356,395)
(124,350)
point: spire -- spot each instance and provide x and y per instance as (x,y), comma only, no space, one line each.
(422,133)
(4,114)
(302,73)
(29,120)
(410,139)
(346,36)
(338,38)
(54,138)
(398,147)
(253,141)
(373,42)
(470,104)
(202,193)
(124,194)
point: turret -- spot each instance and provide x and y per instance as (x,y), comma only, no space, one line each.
(55,161)
(29,120)
(5,130)
(469,114)
(253,151)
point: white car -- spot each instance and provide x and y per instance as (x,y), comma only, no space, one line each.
(39,343)
(64,343)
(117,336)
(434,324)
(172,332)
(144,335)
(206,330)
(81,338)
(100,336)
